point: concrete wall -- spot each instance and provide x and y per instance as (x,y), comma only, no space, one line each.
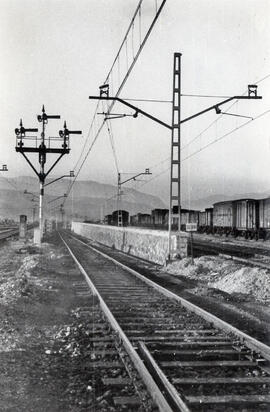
(148,244)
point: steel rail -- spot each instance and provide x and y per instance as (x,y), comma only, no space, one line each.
(9,233)
(162,379)
(250,342)
(250,262)
(13,232)
(152,387)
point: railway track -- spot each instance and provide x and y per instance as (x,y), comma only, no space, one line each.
(252,256)
(14,231)
(9,232)
(217,245)
(189,359)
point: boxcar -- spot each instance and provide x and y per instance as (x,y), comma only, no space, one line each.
(193,216)
(264,218)
(125,217)
(134,220)
(141,219)
(247,217)
(202,220)
(206,220)
(224,217)
(108,220)
(144,219)
(209,217)
(159,217)
(189,216)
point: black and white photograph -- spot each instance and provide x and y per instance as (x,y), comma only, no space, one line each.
(134,206)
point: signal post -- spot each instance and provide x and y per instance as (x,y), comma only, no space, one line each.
(45,147)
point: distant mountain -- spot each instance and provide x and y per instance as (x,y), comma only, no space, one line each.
(87,200)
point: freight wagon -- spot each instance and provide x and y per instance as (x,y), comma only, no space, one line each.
(189,216)
(264,218)
(141,219)
(242,217)
(108,220)
(224,217)
(202,221)
(125,217)
(247,217)
(209,217)
(237,217)
(160,218)
(206,221)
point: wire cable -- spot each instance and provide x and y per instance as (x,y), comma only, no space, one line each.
(109,129)
(222,114)
(207,145)
(142,44)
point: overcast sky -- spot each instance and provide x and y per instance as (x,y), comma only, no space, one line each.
(58,52)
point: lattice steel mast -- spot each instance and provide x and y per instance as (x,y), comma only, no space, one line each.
(175,177)
(175,180)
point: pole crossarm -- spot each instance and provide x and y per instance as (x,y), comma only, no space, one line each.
(134,177)
(59,178)
(59,197)
(41,150)
(26,192)
(216,106)
(168,126)
(131,106)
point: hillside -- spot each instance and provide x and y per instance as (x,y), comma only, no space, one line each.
(88,199)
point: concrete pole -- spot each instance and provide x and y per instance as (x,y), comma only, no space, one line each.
(41,194)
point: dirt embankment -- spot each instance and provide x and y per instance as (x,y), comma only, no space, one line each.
(226,275)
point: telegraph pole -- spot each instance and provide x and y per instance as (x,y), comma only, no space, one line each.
(43,149)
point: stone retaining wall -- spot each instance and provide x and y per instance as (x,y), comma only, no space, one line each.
(148,244)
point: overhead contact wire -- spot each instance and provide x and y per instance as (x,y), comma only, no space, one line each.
(138,9)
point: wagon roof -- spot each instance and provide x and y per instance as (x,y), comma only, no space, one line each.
(245,199)
(265,198)
(189,210)
(235,200)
